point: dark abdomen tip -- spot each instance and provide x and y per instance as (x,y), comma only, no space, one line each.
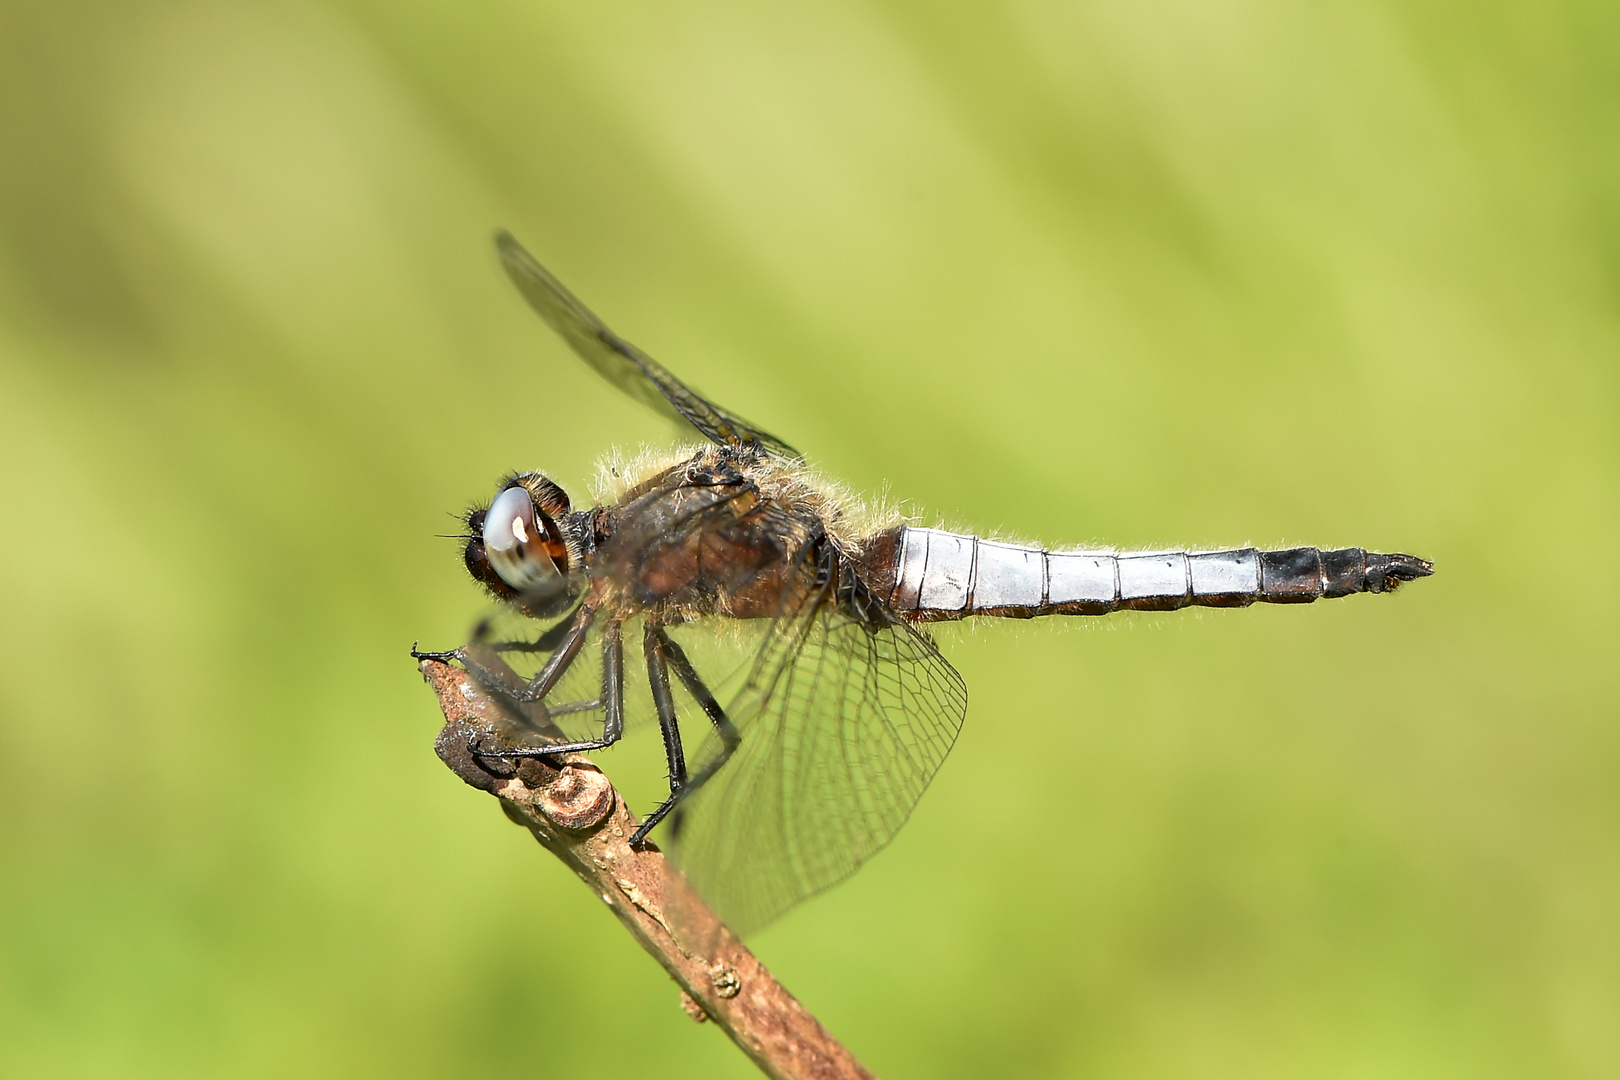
(1386,573)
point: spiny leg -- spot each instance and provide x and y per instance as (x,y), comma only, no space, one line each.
(538,687)
(668,725)
(662,656)
(695,686)
(548,642)
(612,700)
(574,707)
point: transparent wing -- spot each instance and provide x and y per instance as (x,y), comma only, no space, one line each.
(843,721)
(620,362)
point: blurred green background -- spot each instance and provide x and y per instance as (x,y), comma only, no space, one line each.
(1138,274)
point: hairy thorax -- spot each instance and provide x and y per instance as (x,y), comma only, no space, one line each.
(722,532)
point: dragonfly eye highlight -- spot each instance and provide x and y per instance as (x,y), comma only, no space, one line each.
(520,544)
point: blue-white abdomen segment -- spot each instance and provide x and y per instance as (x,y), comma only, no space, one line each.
(1157,576)
(1007,576)
(942,575)
(1225,573)
(948,571)
(1081,578)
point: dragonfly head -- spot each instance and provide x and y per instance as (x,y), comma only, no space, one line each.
(520,547)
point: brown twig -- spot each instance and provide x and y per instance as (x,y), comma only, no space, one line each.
(577,815)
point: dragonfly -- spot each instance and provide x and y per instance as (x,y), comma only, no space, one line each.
(811,751)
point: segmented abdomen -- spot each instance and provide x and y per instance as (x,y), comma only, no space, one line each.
(942,575)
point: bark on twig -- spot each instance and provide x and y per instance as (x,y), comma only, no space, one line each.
(577,815)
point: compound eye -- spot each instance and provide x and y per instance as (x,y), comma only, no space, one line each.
(517,541)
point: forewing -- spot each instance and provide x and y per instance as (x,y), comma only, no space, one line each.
(843,724)
(620,362)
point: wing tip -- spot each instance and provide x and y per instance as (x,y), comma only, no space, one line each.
(509,249)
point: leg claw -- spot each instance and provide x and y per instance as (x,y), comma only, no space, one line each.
(441,657)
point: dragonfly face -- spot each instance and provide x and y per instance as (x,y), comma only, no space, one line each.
(846,709)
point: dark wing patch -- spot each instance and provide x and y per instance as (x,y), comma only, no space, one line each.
(620,362)
(843,725)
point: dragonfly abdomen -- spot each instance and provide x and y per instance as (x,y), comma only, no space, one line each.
(941,575)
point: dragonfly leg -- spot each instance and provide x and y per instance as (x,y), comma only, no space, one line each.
(664,655)
(567,646)
(545,643)
(574,706)
(612,699)
(548,642)
(658,676)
